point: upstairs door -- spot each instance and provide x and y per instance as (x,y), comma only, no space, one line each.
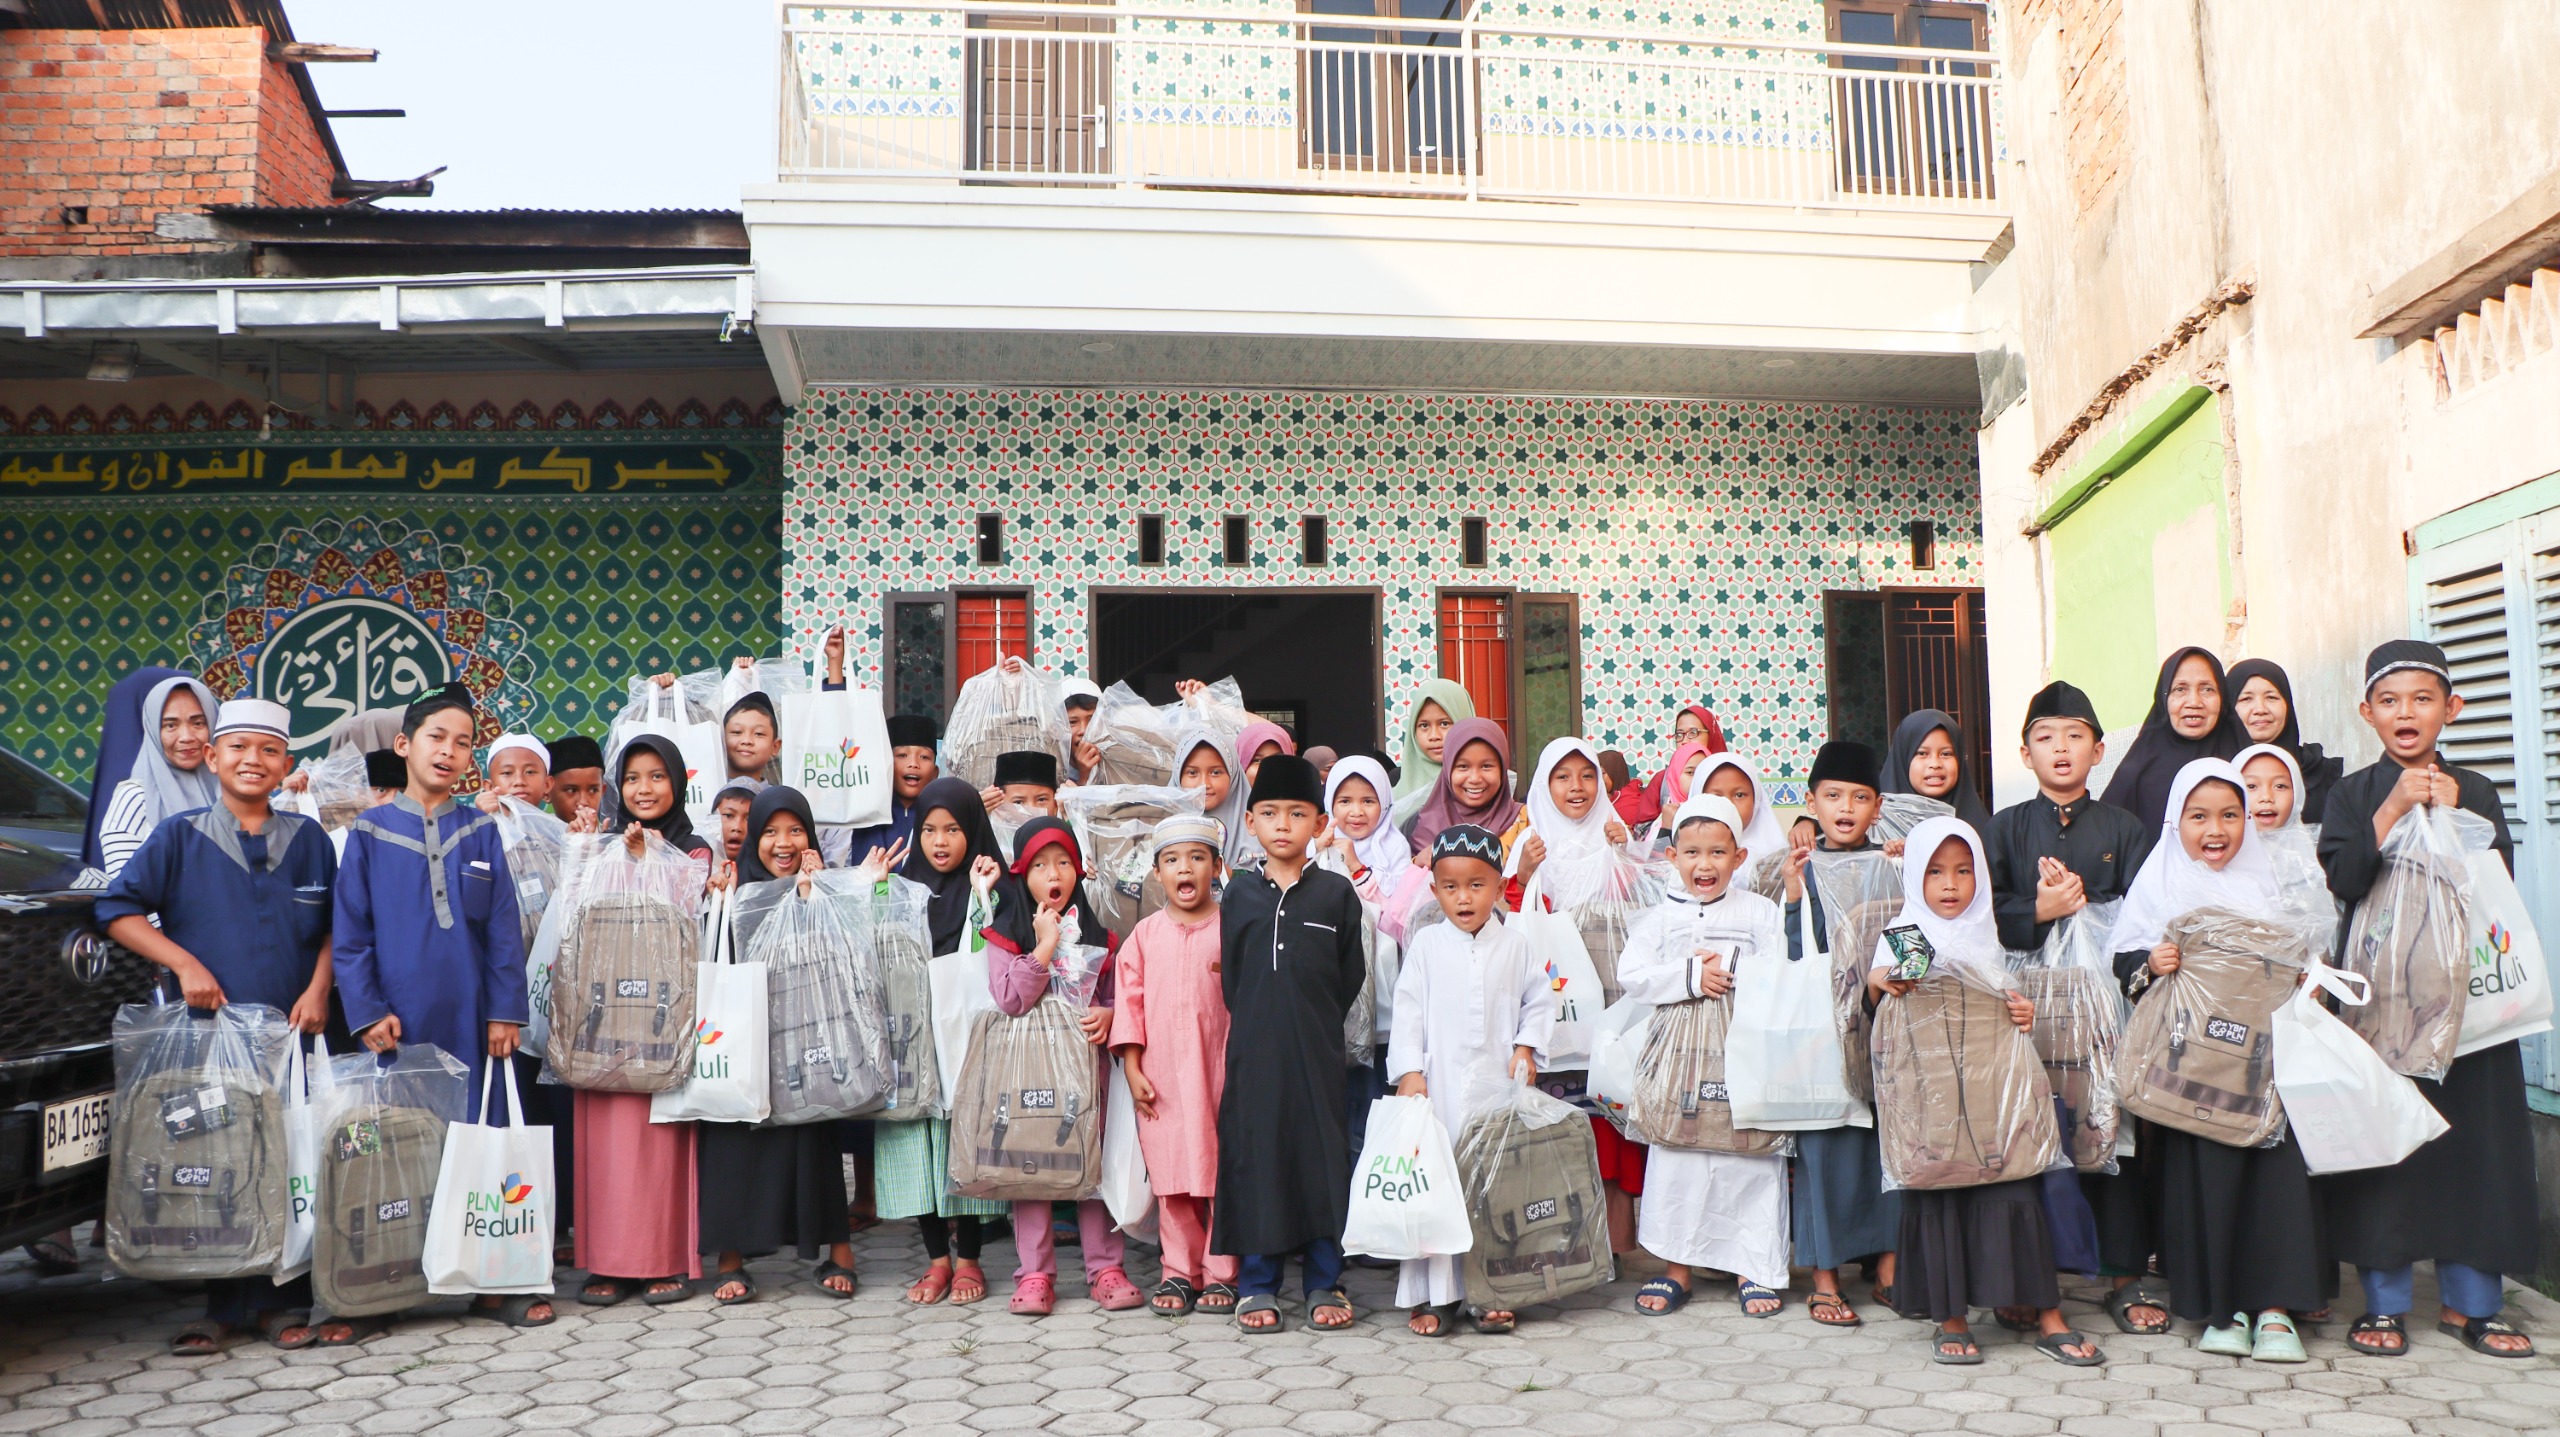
(1380,100)
(1897,135)
(1039,94)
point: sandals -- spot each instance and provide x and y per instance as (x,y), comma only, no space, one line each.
(2381,1324)
(2055,1345)
(2475,1332)
(2008,1317)
(515,1310)
(1820,1303)
(1260,1302)
(832,1268)
(1491,1326)
(931,1288)
(1883,1295)
(1112,1291)
(2277,1340)
(1747,1293)
(604,1291)
(968,1284)
(1951,1348)
(1035,1294)
(2120,1305)
(738,1276)
(1185,1298)
(656,1296)
(274,1325)
(1444,1319)
(1219,1298)
(2226,1340)
(198,1339)
(357,1329)
(1331,1299)
(53,1257)
(1674,1297)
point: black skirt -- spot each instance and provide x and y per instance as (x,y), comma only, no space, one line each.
(765,1189)
(1964,1248)
(2123,1210)
(2241,1229)
(2467,1197)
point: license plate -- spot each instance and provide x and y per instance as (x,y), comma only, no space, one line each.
(75,1131)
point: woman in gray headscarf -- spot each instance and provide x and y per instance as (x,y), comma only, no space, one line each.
(170,775)
(1206,760)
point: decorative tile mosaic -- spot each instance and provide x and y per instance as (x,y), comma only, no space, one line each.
(889,63)
(1699,535)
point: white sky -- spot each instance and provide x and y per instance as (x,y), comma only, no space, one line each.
(552,104)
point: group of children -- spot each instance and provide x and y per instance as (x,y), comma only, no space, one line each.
(1225,1008)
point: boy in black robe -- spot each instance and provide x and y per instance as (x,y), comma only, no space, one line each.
(1291,966)
(2466,1200)
(2051,857)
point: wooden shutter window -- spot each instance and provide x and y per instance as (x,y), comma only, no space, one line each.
(987,627)
(2466,616)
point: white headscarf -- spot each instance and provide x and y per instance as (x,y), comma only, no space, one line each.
(1386,849)
(2293,849)
(1972,936)
(2172,884)
(1761,837)
(166,788)
(1570,839)
(1241,844)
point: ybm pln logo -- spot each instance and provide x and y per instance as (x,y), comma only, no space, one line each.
(503,1213)
(843,767)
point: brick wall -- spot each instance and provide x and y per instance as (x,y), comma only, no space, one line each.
(2093,78)
(135,123)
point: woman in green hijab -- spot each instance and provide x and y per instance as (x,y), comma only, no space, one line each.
(1437,705)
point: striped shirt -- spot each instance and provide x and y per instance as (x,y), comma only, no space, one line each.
(127,824)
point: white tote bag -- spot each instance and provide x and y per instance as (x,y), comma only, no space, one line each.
(1783,1064)
(835,750)
(2347,1107)
(1125,1189)
(960,993)
(1555,941)
(730,1060)
(490,1227)
(2510,990)
(302,1129)
(1617,1040)
(1405,1201)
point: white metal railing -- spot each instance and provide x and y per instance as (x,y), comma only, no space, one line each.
(1099,95)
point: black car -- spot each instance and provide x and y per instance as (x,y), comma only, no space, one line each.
(61,982)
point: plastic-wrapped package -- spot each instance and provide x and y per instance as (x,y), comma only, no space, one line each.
(1602,891)
(2302,886)
(1540,1219)
(901,946)
(2080,1011)
(1007,820)
(2198,1053)
(775,678)
(1961,1098)
(1133,738)
(2411,939)
(1899,813)
(998,713)
(826,1031)
(536,844)
(1217,706)
(1115,825)
(1766,875)
(196,1159)
(337,791)
(1681,1100)
(623,975)
(381,1151)
(1075,973)
(1026,1115)
(1861,892)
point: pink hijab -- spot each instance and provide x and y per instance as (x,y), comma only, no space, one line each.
(1675,778)
(1442,810)
(1251,738)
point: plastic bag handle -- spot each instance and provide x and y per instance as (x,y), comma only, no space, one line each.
(515,1104)
(2335,981)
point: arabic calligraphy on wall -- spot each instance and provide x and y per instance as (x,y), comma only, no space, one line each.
(383,464)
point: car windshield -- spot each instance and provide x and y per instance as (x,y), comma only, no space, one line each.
(28,794)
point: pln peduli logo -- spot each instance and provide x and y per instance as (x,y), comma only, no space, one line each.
(849,769)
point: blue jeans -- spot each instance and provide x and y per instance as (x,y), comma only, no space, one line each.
(1259,1275)
(2390,1291)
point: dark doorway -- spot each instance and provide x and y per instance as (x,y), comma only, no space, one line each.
(1309,659)
(1889,652)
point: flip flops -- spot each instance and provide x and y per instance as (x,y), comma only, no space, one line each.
(1747,1293)
(1965,1352)
(2475,1332)
(1674,1297)
(274,1325)
(1820,1302)
(2056,1344)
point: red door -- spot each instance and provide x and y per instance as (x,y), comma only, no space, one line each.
(1475,650)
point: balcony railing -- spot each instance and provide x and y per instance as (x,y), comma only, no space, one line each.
(1246,99)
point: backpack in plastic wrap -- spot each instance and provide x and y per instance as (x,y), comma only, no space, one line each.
(1899,813)
(1602,891)
(1861,892)
(537,843)
(997,713)
(1681,1100)
(901,946)
(381,1152)
(2411,939)
(1115,825)
(1217,706)
(1961,1098)
(196,1146)
(622,978)
(826,1031)
(1026,1118)
(1531,1178)
(2080,1012)
(2198,1054)
(337,791)
(1133,741)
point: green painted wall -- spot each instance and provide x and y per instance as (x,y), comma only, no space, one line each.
(2150,546)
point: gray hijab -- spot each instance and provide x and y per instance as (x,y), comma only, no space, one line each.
(166,788)
(1240,843)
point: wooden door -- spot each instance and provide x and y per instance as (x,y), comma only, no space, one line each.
(1933,660)
(1475,649)
(988,625)
(1039,95)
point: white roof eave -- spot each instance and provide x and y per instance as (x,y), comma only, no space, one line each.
(673,297)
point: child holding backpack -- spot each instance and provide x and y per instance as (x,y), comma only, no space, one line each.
(1169,1029)
(1472,1013)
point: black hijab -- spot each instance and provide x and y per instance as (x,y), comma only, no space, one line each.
(1026,844)
(2319,770)
(2142,782)
(947,914)
(675,825)
(1913,731)
(767,803)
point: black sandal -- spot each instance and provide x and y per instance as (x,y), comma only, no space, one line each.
(1219,1299)
(53,1257)
(2475,1332)
(1491,1326)
(516,1310)
(199,1339)
(832,1268)
(604,1291)
(1184,1294)
(357,1330)
(745,1281)
(2007,1317)
(1444,1319)
(2378,1323)
(1260,1302)
(2052,1345)
(2120,1304)
(1967,1353)
(1329,1300)
(654,1297)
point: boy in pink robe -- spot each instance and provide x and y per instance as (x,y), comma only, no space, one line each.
(1170,1032)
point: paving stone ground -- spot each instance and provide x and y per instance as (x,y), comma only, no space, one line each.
(82,1357)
